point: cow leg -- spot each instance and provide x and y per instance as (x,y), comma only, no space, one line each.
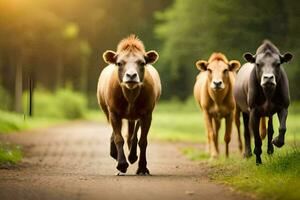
(254,123)
(130,132)
(238,127)
(116,123)
(113,148)
(227,137)
(216,128)
(279,140)
(248,152)
(145,125)
(210,135)
(133,144)
(270,136)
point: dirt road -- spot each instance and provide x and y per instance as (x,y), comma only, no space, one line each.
(72,162)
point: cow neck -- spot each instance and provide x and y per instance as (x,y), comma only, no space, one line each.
(131,95)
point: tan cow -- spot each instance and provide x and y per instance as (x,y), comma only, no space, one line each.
(213,93)
(129,88)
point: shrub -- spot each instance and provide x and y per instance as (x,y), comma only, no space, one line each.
(64,103)
(72,104)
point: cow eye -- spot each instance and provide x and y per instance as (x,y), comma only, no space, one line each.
(225,71)
(258,64)
(277,64)
(119,64)
(142,63)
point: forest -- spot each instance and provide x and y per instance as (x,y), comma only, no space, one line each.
(60,44)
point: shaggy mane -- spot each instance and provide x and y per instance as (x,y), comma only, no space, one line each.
(267,46)
(218,57)
(132,43)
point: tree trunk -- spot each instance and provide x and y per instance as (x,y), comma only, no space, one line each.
(84,76)
(60,71)
(18,86)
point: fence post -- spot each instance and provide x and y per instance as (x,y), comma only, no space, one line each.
(31,87)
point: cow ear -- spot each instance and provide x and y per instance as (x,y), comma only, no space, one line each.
(151,57)
(249,57)
(234,65)
(286,57)
(202,65)
(110,57)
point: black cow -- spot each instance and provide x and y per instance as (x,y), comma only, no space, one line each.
(261,90)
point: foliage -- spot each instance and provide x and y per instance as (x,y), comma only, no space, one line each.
(11,122)
(14,122)
(277,178)
(192,30)
(9,154)
(63,104)
(55,45)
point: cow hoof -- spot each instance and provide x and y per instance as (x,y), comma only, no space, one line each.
(214,156)
(241,148)
(247,154)
(120,174)
(122,166)
(277,142)
(132,158)
(142,172)
(258,161)
(270,150)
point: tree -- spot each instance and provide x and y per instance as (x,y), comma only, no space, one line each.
(192,30)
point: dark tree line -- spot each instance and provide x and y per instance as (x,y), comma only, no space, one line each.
(60,43)
(192,30)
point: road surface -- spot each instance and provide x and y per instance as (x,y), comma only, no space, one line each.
(72,162)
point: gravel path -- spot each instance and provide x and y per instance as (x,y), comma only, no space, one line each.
(72,162)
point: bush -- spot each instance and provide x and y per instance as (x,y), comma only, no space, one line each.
(64,103)
(10,122)
(73,105)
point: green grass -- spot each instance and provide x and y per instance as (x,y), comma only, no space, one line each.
(10,154)
(183,122)
(13,122)
(277,178)
(175,121)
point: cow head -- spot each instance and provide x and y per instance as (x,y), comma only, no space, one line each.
(218,69)
(268,63)
(131,60)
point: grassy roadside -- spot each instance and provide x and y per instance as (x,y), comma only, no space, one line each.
(183,122)
(277,178)
(14,122)
(9,154)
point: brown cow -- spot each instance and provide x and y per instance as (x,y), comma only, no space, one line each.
(129,88)
(213,92)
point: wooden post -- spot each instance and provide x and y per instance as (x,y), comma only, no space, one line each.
(31,87)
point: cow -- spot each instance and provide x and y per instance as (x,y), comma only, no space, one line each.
(128,88)
(261,90)
(213,91)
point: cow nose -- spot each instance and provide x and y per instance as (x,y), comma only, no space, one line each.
(268,78)
(131,75)
(217,83)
